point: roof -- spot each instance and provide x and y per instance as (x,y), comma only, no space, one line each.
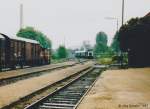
(80,51)
(1,37)
(148,14)
(19,39)
(24,39)
(84,50)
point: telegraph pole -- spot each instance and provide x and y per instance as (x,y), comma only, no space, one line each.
(121,55)
(117,25)
(64,41)
(122,12)
(21,16)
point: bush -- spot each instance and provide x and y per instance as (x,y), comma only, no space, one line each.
(105,61)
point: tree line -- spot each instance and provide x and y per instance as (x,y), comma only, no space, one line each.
(31,33)
(101,47)
(44,41)
(134,38)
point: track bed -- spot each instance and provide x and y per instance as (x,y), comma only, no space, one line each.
(30,74)
(10,95)
(69,96)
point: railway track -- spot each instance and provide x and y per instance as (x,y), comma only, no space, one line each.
(43,91)
(70,95)
(6,81)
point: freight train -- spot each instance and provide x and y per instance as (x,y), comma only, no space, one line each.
(17,51)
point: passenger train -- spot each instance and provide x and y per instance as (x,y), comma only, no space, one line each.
(86,53)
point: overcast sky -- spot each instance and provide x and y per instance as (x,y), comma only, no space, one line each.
(69,21)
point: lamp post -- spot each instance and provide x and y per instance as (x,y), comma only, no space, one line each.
(113,18)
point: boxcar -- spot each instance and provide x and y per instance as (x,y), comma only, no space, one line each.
(16,51)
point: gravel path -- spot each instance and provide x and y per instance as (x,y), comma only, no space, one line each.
(120,89)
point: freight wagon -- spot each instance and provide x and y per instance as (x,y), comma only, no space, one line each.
(17,51)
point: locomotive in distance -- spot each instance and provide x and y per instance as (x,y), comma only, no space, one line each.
(86,54)
(17,51)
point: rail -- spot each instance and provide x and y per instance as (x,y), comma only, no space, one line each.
(70,95)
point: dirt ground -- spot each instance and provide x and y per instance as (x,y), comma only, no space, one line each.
(13,92)
(120,89)
(7,74)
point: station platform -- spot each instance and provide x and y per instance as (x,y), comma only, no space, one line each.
(12,92)
(17,72)
(120,89)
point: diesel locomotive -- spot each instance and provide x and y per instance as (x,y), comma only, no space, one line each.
(86,54)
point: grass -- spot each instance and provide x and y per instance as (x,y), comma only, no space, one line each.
(58,60)
(105,61)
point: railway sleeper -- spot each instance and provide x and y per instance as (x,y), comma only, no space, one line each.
(54,107)
(59,104)
(67,95)
(70,97)
(62,101)
(85,82)
(81,86)
(75,88)
(78,88)
(81,83)
(71,93)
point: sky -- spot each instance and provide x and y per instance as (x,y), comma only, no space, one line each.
(69,22)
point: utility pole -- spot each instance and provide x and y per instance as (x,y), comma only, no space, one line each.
(117,25)
(122,12)
(121,55)
(64,41)
(21,16)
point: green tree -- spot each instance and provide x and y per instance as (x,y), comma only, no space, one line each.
(115,44)
(54,54)
(62,52)
(31,33)
(101,38)
(134,38)
(101,43)
(129,31)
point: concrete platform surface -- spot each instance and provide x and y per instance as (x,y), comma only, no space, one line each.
(120,89)
(15,91)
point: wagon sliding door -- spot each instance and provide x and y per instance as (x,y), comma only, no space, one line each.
(0,54)
(28,54)
(4,53)
(12,54)
(33,54)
